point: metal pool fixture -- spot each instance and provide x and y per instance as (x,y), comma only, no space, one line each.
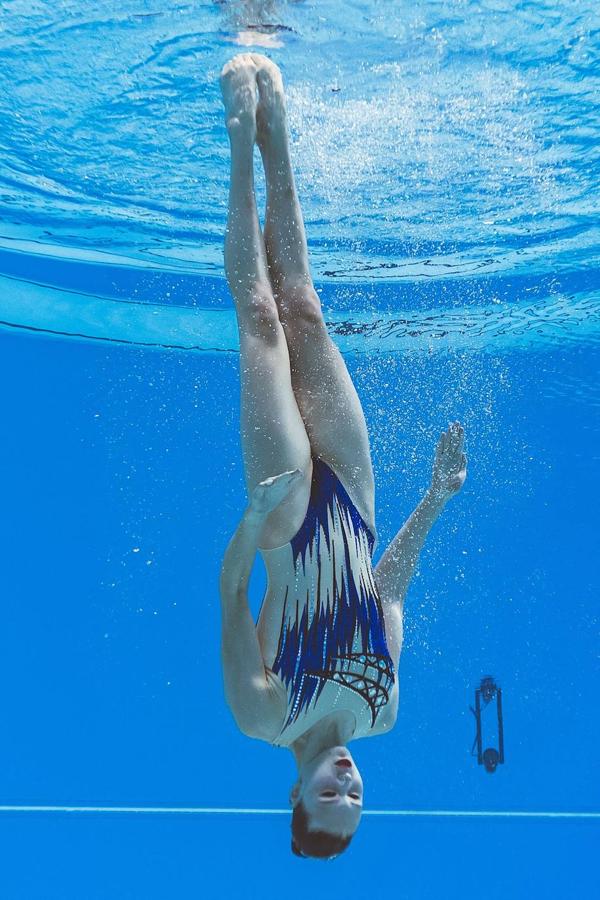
(491,757)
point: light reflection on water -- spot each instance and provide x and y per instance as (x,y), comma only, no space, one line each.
(431,132)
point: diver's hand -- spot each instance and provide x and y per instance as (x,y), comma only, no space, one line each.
(450,464)
(269,493)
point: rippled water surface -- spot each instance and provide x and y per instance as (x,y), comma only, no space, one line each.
(430,140)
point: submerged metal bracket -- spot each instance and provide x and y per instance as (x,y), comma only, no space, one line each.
(491,757)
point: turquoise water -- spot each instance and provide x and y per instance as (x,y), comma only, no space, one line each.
(447,164)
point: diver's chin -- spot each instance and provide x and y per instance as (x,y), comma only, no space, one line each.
(340,752)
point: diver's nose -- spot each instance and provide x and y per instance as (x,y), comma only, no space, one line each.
(344,778)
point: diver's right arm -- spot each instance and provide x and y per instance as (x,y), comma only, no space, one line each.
(240,553)
(256,707)
(246,687)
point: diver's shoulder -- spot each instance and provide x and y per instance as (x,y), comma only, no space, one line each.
(388,714)
(267,726)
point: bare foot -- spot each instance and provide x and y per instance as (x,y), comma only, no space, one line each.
(270,112)
(238,87)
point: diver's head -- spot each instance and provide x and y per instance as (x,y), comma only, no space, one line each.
(327,801)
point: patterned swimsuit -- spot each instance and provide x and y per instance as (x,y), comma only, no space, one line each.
(332,652)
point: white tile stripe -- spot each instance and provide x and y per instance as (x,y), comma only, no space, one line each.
(244,811)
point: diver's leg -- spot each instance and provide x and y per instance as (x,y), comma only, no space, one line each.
(326,396)
(273,434)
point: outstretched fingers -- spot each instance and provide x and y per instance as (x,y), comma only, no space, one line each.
(450,466)
(450,448)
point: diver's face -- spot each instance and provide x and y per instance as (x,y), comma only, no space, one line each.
(331,790)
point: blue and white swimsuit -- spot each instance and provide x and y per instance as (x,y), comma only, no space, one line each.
(332,652)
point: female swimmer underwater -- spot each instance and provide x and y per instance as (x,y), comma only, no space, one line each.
(319,668)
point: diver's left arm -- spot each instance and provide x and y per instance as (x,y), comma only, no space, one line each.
(397,565)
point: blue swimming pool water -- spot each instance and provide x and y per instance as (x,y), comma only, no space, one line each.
(447,164)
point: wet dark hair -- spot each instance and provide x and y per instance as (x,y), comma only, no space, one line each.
(319,844)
